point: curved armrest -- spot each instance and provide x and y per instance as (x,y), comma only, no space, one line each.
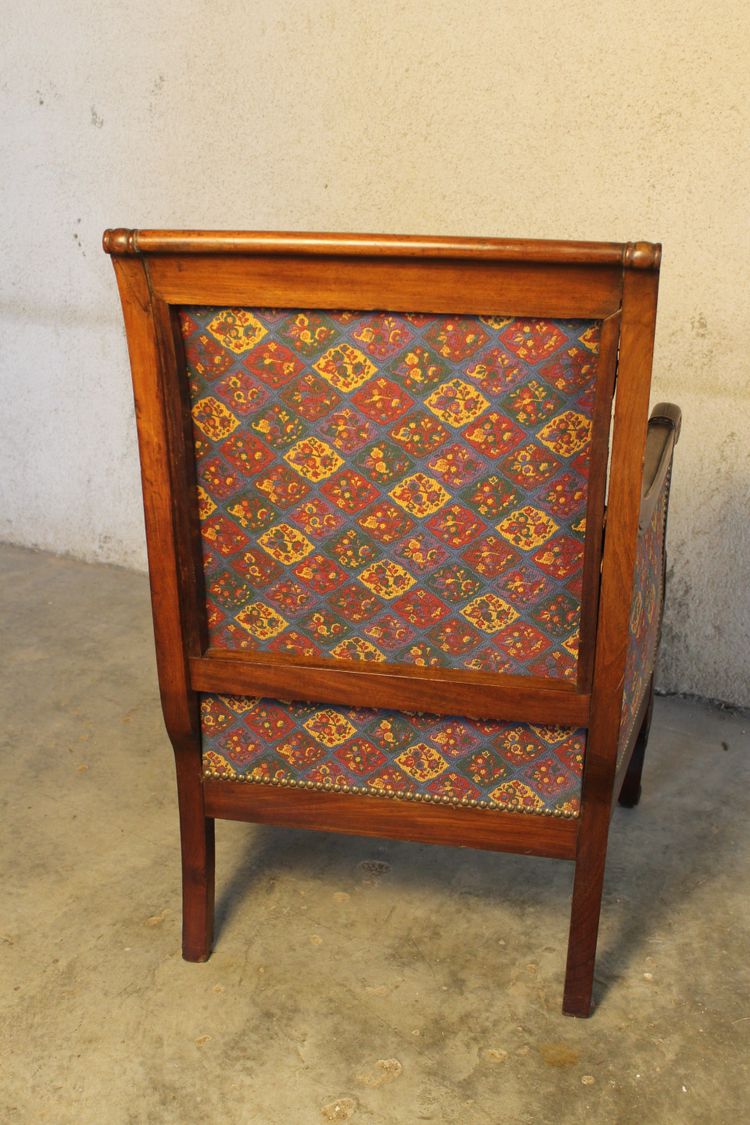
(663,434)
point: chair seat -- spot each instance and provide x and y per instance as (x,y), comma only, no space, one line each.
(404,756)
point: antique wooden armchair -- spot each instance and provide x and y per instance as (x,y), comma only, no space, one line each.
(377,474)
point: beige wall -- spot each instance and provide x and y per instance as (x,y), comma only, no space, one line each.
(616,121)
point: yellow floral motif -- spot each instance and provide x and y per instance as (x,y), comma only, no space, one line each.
(323,626)
(496,322)
(237,330)
(421,761)
(240,703)
(329,727)
(420,495)
(261,515)
(205,504)
(572,644)
(261,621)
(387,579)
(551,734)
(566,434)
(590,338)
(456,403)
(420,368)
(217,766)
(516,794)
(489,613)
(314,459)
(264,772)
(299,756)
(285,543)
(356,648)
(209,719)
(518,745)
(527,527)
(214,418)
(345,367)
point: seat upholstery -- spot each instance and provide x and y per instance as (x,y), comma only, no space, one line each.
(456,761)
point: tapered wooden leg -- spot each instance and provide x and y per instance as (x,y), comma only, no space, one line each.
(584,915)
(197,847)
(630,793)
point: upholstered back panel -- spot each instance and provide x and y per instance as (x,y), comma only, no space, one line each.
(378,486)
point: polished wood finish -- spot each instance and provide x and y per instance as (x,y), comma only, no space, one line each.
(405,687)
(595,507)
(172,590)
(357,815)
(399,284)
(615,283)
(633,255)
(663,434)
(618,564)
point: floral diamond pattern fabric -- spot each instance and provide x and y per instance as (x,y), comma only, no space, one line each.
(393,487)
(401,488)
(440,760)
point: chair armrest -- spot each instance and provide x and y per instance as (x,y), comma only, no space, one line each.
(663,434)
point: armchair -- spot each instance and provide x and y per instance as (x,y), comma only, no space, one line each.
(374,475)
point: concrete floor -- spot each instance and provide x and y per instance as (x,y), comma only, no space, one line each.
(352,980)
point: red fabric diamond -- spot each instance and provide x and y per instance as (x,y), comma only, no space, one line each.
(274,363)
(320,573)
(382,400)
(382,336)
(360,756)
(456,525)
(532,340)
(490,556)
(247,453)
(560,556)
(420,607)
(349,491)
(223,535)
(493,435)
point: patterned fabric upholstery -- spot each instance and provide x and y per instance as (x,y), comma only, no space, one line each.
(391,487)
(396,487)
(496,765)
(645,617)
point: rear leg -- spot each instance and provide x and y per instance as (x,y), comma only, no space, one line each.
(630,793)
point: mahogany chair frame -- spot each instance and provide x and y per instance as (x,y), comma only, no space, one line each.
(159,271)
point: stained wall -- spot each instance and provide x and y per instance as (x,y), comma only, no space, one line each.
(615,121)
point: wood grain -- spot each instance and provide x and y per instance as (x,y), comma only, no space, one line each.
(376,816)
(632,255)
(398,285)
(618,563)
(392,686)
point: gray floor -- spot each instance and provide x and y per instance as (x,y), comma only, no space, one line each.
(352,980)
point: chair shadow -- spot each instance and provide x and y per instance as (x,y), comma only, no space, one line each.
(656,852)
(664,849)
(494,877)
